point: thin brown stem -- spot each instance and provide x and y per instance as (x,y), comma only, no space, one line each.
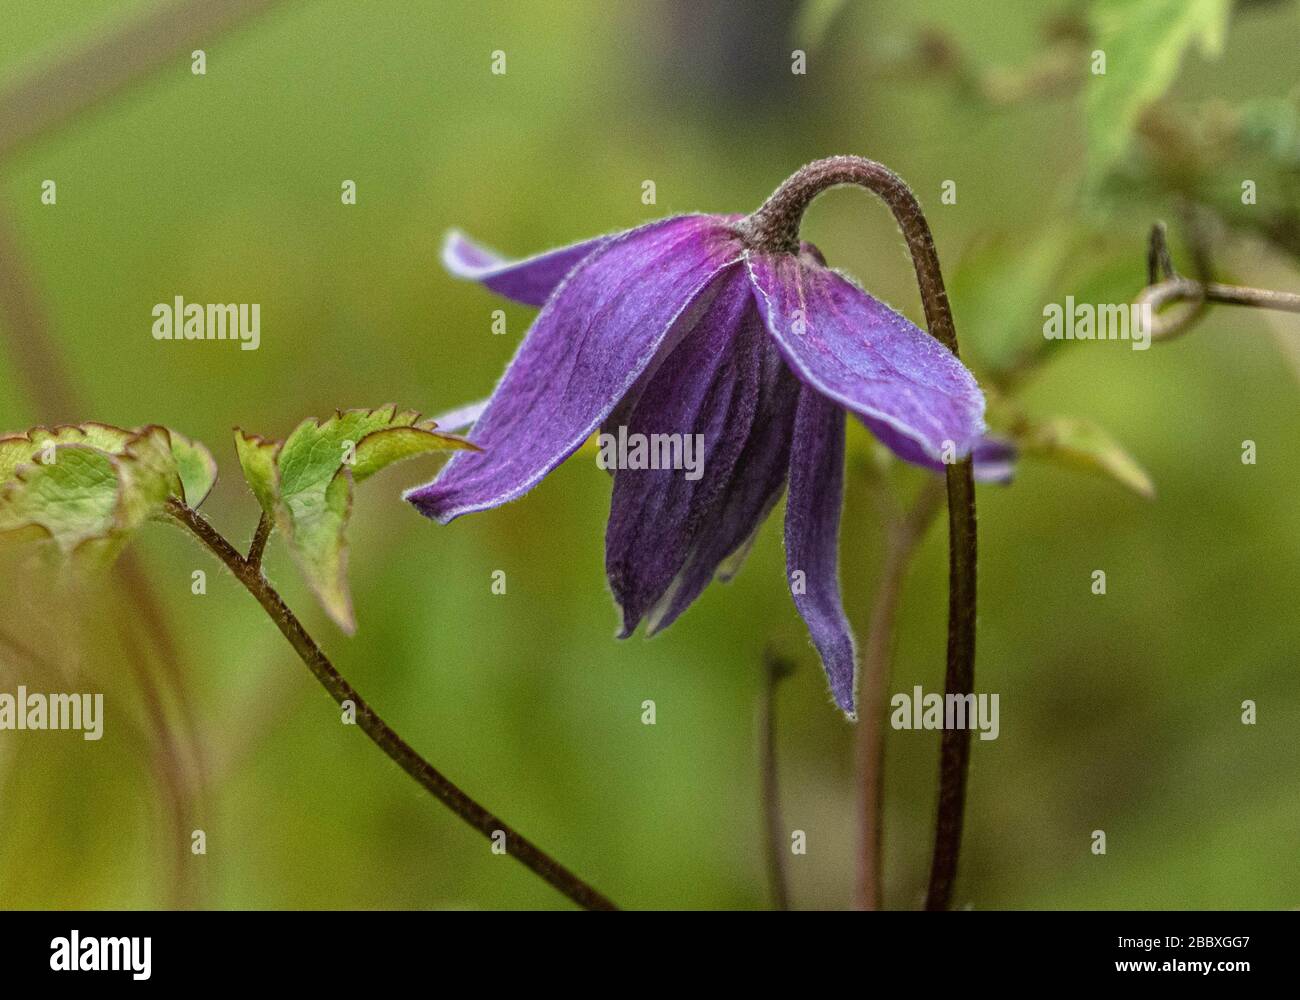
(776,668)
(257,547)
(959,681)
(1166,286)
(905,536)
(1160,263)
(383,735)
(775,228)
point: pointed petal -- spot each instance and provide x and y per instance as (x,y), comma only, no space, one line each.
(993,457)
(706,391)
(868,358)
(530,281)
(587,347)
(812,536)
(754,488)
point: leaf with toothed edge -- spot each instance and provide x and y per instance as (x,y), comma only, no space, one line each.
(305,483)
(71,495)
(24,448)
(1144,42)
(257,458)
(87,487)
(196,467)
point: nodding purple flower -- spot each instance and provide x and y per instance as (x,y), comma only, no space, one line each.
(745,341)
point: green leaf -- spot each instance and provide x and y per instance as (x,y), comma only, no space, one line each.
(1144,42)
(147,476)
(196,467)
(88,487)
(317,531)
(306,484)
(380,449)
(20,449)
(72,495)
(1083,445)
(257,458)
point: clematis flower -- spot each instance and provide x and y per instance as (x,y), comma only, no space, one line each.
(688,325)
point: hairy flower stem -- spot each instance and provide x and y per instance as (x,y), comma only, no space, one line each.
(775,228)
(250,575)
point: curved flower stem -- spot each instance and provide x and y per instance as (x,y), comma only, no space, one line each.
(398,750)
(775,226)
(905,534)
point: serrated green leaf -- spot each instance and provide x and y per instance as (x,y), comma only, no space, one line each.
(306,484)
(1144,42)
(1084,445)
(380,449)
(315,451)
(22,448)
(195,466)
(88,487)
(72,495)
(317,533)
(257,457)
(147,476)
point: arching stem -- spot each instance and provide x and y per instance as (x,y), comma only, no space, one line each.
(775,228)
(368,720)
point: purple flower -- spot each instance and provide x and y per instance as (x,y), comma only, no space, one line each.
(685,327)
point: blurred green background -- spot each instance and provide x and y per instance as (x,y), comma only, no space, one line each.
(1118,712)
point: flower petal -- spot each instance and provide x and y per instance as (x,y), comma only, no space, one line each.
(754,488)
(461,417)
(587,347)
(868,358)
(706,393)
(994,460)
(812,536)
(993,457)
(530,281)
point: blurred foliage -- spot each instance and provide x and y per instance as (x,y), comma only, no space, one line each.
(1141,44)
(1120,712)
